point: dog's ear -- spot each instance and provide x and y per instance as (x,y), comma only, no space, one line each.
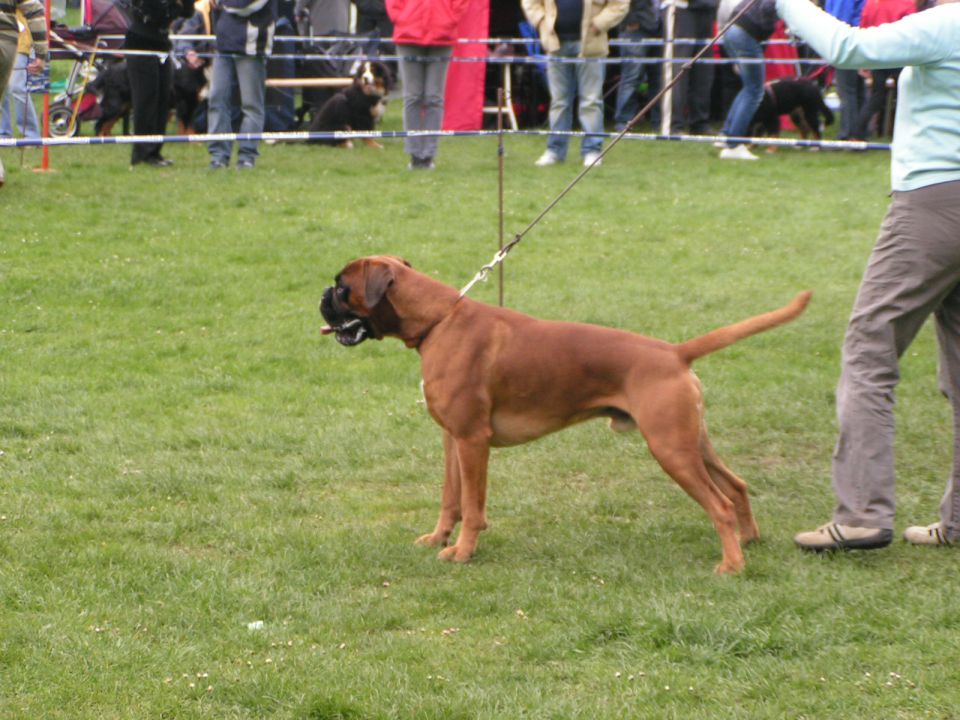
(377,278)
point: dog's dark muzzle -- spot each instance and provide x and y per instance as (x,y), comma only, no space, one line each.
(349,329)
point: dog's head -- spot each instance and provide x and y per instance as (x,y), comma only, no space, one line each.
(356,307)
(373,78)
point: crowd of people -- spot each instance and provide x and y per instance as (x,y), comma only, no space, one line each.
(574,34)
(575,30)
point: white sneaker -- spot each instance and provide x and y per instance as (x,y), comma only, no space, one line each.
(592,158)
(843,537)
(548,158)
(738,152)
(926,535)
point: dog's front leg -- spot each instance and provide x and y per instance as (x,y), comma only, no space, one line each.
(473,454)
(450,502)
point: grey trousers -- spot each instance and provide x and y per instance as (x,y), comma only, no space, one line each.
(913,272)
(424,83)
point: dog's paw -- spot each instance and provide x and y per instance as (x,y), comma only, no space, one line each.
(455,554)
(749,535)
(729,568)
(432,539)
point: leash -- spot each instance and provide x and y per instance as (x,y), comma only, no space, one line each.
(501,255)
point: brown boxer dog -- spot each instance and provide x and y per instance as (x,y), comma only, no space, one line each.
(493,377)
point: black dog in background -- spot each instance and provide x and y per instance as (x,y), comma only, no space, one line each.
(112,88)
(358,107)
(800,99)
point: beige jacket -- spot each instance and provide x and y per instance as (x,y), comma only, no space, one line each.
(600,14)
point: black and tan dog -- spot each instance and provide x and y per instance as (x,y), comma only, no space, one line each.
(358,107)
(112,88)
(800,99)
(493,377)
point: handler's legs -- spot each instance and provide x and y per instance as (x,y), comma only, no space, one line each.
(914,268)
(948,336)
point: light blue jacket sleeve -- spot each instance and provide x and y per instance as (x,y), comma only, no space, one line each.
(927,37)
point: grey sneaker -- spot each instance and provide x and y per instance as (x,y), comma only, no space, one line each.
(843,537)
(926,535)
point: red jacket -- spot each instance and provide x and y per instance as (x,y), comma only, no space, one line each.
(881,12)
(426,22)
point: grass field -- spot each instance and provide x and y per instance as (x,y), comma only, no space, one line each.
(183,454)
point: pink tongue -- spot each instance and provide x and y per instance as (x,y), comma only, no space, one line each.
(326,330)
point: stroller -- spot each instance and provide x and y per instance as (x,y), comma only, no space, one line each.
(104,25)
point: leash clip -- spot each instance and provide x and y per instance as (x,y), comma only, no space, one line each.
(484,271)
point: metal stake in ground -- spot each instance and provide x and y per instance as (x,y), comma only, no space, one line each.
(504,251)
(500,108)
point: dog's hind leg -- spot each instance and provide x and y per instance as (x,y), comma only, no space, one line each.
(730,485)
(671,426)
(450,501)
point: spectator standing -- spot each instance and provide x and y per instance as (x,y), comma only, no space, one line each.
(690,107)
(850,86)
(913,271)
(744,43)
(244,35)
(16,94)
(642,22)
(880,12)
(33,14)
(424,32)
(151,75)
(322,17)
(372,18)
(574,35)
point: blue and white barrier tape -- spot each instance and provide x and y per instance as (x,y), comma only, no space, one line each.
(394,135)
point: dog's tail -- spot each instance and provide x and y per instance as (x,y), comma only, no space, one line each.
(722,337)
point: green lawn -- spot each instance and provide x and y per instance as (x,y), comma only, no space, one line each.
(183,454)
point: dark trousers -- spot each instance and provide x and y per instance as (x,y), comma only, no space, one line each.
(150,83)
(876,103)
(691,95)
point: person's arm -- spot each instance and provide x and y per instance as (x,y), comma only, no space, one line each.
(32,12)
(928,37)
(613,12)
(394,8)
(534,10)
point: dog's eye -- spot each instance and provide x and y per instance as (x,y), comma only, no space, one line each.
(343,293)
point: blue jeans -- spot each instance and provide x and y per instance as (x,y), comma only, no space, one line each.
(27,122)
(568,81)
(739,45)
(630,73)
(250,74)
